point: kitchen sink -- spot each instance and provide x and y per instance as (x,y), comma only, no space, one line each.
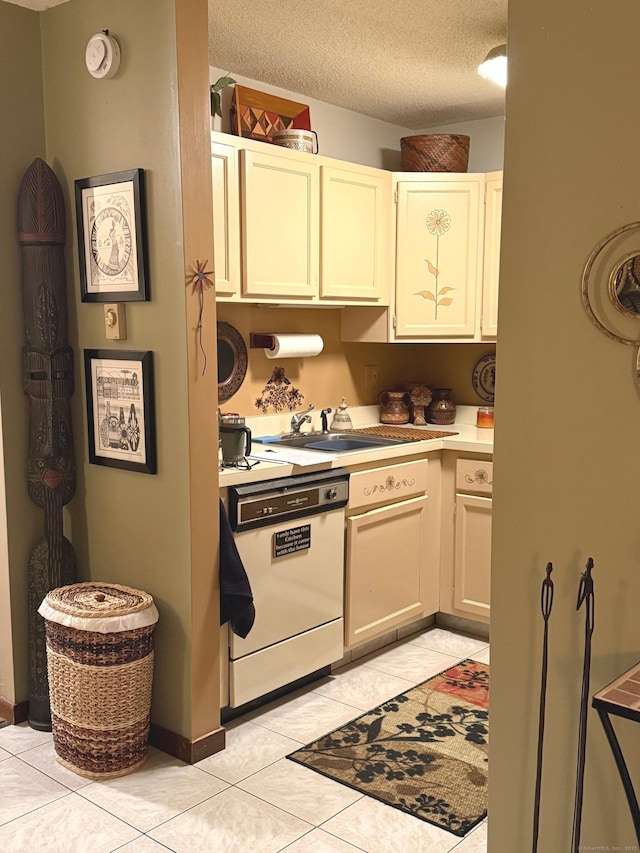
(338,442)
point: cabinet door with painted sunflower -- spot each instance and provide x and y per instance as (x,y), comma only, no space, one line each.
(439,247)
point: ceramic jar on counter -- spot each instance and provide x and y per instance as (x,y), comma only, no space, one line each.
(395,407)
(442,409)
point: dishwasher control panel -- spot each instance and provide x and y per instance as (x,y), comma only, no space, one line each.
(259,504)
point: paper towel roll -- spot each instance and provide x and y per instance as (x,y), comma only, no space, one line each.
(295,346)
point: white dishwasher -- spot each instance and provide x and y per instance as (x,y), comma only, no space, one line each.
(290,536)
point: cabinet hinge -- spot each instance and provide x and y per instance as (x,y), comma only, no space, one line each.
(395,322)
(395,196)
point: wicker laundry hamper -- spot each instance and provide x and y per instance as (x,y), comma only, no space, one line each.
(100,663)
(435,152)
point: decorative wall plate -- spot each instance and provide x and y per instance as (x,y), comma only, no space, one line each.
(611,285)
(484,378)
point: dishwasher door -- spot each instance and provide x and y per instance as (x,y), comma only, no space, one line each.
(294,592)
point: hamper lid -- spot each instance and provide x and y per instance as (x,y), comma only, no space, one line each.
(101,607)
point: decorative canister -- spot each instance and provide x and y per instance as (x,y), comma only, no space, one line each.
(298,140)
(442,409)
(100,666)
(395,407)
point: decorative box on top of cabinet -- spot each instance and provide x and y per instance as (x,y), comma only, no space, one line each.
(392,548)
(311,230)
(447,249)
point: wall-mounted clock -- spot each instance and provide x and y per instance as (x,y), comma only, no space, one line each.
(102,56)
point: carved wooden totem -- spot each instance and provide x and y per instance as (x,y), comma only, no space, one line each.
(48,383)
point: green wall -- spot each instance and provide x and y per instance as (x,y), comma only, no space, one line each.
(566,469)
(21,141)
(127,527)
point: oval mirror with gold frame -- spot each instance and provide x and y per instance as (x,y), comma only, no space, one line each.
(232,360)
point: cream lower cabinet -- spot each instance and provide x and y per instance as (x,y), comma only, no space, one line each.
(466,537)
(391,550)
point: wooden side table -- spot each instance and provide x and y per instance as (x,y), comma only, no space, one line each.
(621,698)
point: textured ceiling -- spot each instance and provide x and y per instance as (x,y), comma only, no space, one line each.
(410,62)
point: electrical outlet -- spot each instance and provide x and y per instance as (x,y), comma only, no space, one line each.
(370,375)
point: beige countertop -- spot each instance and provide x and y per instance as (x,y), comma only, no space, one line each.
(468,439)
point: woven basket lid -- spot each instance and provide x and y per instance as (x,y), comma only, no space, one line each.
(102,607)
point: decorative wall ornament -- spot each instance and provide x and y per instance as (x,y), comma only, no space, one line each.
(279,394)
(120,409)
(232,360)
(438,223)
(610,285)
(48,383)
(112,239)
(199,280)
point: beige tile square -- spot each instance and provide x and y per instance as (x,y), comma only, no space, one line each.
(24,789)
(319,841)
(362,686)
(300,791)
(249,748)
(376,828)
(16,739)
(449,643)
(158,791)
(482,656)
(69,825)
(411,662)
(231,822)
(44,758)
(305,717)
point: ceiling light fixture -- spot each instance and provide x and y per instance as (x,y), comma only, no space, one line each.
(494,65)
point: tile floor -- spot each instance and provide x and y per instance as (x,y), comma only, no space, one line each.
(248,798)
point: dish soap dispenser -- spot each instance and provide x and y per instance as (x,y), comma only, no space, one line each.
(341,421)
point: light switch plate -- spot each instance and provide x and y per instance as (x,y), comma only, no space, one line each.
(115,322)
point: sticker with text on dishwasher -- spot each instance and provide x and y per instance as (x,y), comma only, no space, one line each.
(292,540)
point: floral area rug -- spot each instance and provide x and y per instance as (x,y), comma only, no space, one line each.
(424,752)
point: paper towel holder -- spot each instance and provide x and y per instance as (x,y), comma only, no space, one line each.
(262,340)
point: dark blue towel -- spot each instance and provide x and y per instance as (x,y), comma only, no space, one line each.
(236,598)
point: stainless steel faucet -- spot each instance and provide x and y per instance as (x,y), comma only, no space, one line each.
(299,418)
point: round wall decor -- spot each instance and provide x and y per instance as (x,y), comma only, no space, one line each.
(611,285)
(483,378)
(102,55)
(232,360)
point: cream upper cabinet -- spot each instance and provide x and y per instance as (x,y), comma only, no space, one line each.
(280,225)
(226,218)
(493,223)
(355,234)
(299,228)
(439,247)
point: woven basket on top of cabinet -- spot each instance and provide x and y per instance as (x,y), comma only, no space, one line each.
(100,665)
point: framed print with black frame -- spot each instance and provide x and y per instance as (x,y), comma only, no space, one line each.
(120,409)
(112,240)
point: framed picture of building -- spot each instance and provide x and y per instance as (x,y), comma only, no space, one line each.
(120,409)
(112,244)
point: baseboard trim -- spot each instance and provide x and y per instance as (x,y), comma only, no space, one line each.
(14,712)
(190,751)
